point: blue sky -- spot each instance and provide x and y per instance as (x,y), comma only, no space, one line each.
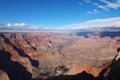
(57,13)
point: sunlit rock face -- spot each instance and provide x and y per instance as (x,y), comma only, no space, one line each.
(46,55)
(3,75)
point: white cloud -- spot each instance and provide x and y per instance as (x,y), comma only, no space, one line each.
(87,1)
(106,4)
(113,5)
(113,22)
(100,6)
(9,24)
(93,12)
(16,26)
(94,3)
(80,3)
(97,23)
(22,24)
(19,24)
(103,7)
(35,27)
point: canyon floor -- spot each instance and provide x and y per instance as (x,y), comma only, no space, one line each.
(59,56)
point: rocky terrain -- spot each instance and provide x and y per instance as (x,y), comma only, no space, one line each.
(58,56)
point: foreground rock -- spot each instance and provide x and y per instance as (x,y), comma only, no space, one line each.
(112,72)
(3,75)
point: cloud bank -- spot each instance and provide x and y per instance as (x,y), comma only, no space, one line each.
(97,24)
(18,26)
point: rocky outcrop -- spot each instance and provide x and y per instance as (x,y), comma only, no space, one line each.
(112,72)
(3,75)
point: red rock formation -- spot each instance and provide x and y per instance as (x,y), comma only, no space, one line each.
(3,75)
(42,53)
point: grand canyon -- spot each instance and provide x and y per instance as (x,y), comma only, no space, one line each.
(59,56)
(59,39)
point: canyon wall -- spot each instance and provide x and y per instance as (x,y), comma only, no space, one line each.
(35,56)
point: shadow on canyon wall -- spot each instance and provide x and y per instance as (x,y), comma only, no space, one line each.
(102,34)
(112,72)
(110,34)
(80,76)
(14,69)
(21,52)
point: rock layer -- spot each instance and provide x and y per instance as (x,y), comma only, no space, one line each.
(44,55)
